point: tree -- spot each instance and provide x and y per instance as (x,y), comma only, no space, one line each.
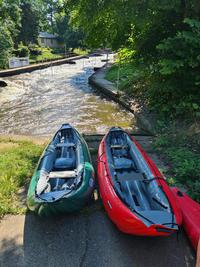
(72,37)
(9,21)
(30,21)
(6,45)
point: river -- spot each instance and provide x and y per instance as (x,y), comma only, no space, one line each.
(37,103)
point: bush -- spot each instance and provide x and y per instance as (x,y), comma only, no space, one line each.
(34,49)
(60,50)
(22,51)
(184,161)
(176,79)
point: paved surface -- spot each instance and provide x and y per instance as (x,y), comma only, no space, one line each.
(87,238)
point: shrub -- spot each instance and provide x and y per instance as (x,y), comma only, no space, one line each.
(34,49)
(176,79)
(60,50)
(184,161)
(22,51)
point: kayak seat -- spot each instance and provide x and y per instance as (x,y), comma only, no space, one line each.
(66,159)
(120,152)
(122,163)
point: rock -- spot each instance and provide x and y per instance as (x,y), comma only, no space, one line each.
(96,68)
(71,62)
(3,83)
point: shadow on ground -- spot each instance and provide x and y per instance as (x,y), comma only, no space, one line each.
(90,239)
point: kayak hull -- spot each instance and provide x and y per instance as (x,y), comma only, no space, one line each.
(73,201)
(118,212)
(191,215)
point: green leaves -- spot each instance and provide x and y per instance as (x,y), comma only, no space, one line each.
(185,163)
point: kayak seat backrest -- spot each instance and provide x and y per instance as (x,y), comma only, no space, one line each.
(66,159)
(121,158)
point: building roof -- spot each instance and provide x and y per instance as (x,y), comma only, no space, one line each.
(47,35)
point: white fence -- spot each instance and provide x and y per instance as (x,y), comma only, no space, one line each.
(16,62)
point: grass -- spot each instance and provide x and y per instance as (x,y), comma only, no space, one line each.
(17,162)
(184,160)
(131,78)
(46,55)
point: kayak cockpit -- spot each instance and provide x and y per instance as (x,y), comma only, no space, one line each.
(61,166)
(134,182)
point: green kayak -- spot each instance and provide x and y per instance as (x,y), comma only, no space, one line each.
(64,178)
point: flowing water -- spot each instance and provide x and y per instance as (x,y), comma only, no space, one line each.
(37,103)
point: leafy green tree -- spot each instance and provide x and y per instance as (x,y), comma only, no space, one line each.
(29,28)
(72,37)
(6,46)
(9,21)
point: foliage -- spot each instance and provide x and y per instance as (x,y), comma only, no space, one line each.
(29,28)
(178,68)
(6,46)
(80,51)
(185,162)
(34,49)
(45,54)
(162,41)
(18,160)
(9,21)
(71,37)
(22,51)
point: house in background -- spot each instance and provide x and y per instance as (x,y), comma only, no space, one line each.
(46,39)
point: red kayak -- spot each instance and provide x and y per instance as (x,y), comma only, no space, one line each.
(191,215)
(134,193)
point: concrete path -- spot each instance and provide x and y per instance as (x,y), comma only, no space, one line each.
(87,238)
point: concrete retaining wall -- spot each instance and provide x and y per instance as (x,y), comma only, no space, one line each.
(16,71)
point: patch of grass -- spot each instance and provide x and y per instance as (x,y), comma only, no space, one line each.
(80,51)
(125,72)
(184,161)
(17,162)
(131,77)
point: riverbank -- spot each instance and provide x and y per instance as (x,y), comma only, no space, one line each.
(108,88)
(176,143)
